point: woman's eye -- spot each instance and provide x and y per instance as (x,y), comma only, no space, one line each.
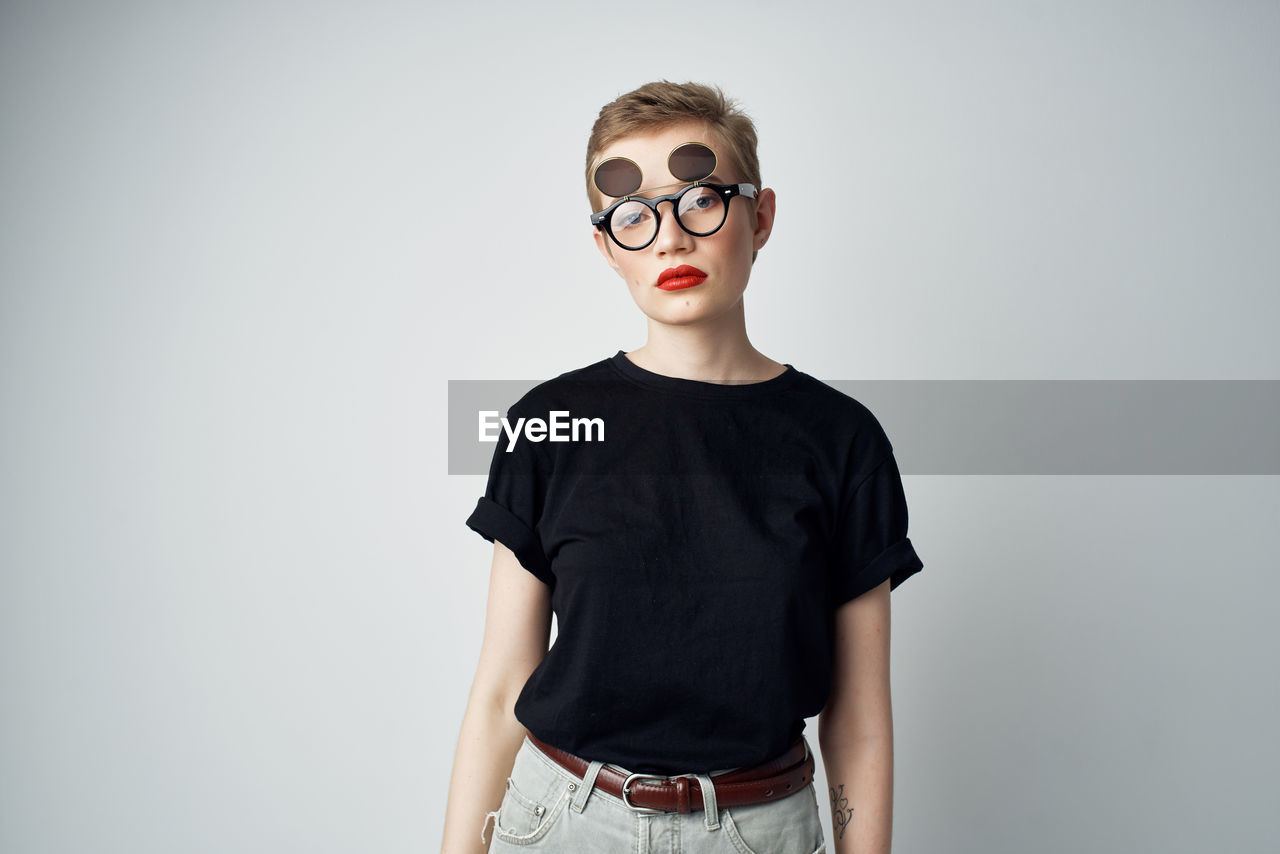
(699,202)
(628,220)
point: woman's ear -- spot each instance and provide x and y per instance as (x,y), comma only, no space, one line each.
(766,207)
(605,245)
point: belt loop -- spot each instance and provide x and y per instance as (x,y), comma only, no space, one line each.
(709,801)
(578,804)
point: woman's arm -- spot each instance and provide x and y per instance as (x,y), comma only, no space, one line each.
(855,729)
(517,627)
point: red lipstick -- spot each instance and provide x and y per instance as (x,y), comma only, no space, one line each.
(678,278)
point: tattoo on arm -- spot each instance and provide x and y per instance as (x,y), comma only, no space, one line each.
(841,812)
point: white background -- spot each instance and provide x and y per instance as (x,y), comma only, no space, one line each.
(243,247)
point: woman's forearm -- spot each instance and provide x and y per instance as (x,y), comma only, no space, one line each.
(860,793)
(488,742)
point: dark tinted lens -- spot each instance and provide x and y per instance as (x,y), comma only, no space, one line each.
(618,177)
(692,161)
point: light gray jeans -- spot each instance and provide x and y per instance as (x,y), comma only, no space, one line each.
(547,808)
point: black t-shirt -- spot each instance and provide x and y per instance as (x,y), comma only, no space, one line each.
(695,555)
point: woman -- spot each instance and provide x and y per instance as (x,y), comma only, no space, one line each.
(718,550)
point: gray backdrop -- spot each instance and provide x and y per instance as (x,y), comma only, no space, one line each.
(245,246)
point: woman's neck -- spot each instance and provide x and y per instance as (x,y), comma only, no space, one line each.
(710,361)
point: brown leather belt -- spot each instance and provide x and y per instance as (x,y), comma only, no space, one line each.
(770,781)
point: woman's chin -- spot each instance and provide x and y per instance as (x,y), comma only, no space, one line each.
(687,306)
(689,316)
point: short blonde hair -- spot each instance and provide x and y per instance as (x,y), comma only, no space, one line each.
(661,104)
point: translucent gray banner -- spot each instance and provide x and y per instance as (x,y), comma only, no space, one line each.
(1130,427)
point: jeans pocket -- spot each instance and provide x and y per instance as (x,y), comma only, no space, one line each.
(789,826)
(523,820)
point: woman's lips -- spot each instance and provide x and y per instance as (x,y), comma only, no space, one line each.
(678,278)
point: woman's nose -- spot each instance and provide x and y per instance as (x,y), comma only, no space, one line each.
(671,237)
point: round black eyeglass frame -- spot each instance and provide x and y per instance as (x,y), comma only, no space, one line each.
(602,218)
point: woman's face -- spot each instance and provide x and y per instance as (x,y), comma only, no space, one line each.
(725,257)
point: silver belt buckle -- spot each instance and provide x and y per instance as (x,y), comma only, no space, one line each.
(626,791)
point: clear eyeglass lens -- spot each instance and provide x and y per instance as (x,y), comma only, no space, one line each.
(701,212)
(632,224)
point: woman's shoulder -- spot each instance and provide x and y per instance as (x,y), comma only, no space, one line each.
(566,387)
(831,397)
(835,412)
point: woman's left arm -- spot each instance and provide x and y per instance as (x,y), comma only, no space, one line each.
(855,728)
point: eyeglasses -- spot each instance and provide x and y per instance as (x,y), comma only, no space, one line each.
(700,209)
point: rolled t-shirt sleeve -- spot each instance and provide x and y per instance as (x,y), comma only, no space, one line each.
(870,543)
(511,507)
